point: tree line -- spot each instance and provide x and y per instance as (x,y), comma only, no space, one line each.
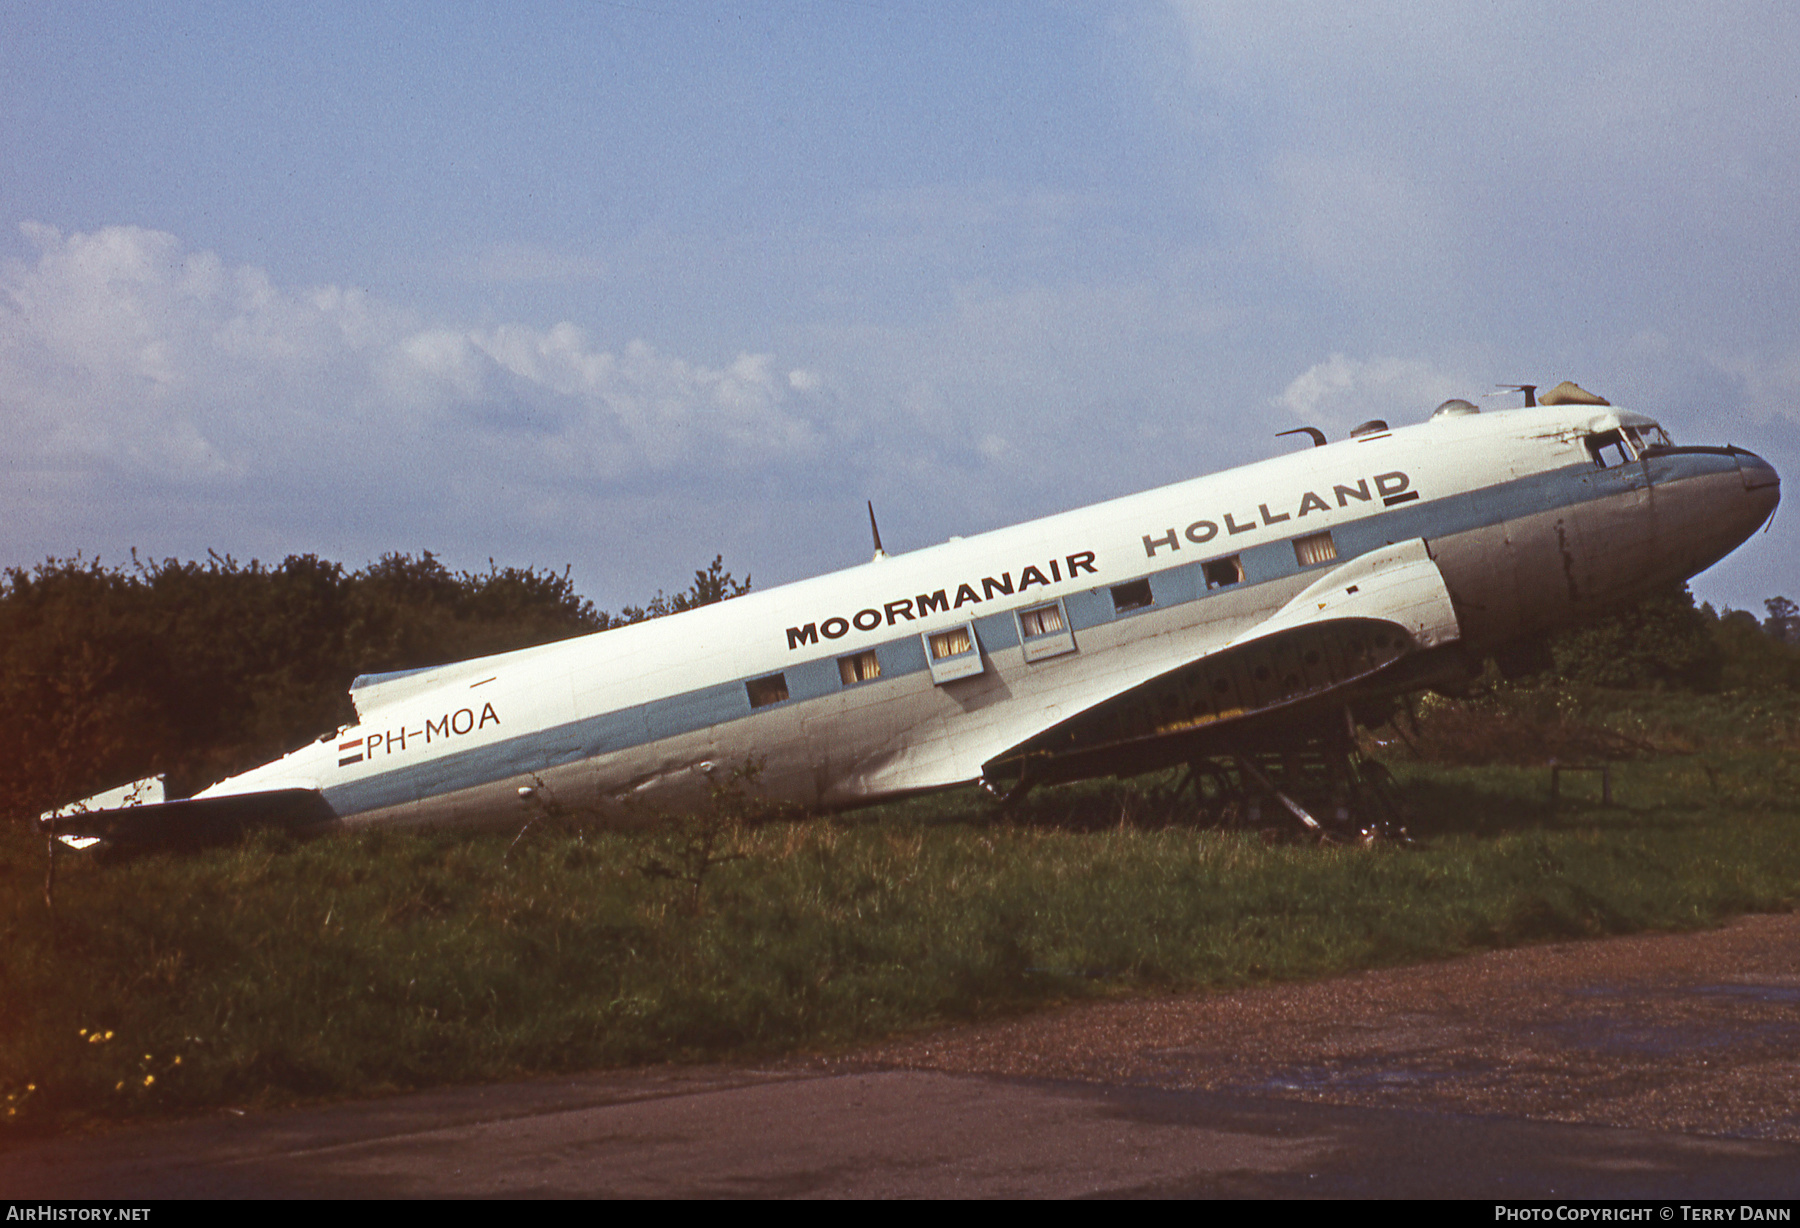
(1665,641)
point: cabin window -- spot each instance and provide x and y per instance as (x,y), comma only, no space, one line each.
(1220,572)
(953,653)
(766,691)
(1133,596)
(951,643)
(1044,631)
(1314,548)
(863,667)
(1608,449)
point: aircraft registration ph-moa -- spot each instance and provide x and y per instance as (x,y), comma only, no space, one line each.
(1243,618)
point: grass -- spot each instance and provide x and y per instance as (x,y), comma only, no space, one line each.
(273,973)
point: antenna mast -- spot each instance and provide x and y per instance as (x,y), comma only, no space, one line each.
(875,531)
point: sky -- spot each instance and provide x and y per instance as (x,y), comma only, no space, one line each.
(619,287)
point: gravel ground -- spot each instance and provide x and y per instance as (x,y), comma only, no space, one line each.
(1697,1033)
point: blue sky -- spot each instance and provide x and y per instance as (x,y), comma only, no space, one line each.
(625,285)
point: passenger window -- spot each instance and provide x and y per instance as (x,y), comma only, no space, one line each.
(766,691)
(1044,632)
(863,667)
(951,643)
(1044,620)
(1314,548)
(953,654)
(1221,572)
(1133,596)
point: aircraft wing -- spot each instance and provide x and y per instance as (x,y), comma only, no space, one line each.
(1353,622)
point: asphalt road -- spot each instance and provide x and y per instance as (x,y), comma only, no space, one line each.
(1664,1067)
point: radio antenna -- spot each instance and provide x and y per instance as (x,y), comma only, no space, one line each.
(875,531)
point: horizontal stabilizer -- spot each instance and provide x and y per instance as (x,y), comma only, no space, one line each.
(370,692)
(146,792)
(195,822)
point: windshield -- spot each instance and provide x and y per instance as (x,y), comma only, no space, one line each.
(1627,443)
(1649,435)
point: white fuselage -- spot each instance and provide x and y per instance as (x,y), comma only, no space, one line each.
(1526,529)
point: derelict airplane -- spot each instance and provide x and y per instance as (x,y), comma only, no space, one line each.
(1220,612)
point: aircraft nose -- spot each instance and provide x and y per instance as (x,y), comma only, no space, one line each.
(1757,472)
(1761,483)
(1720,514)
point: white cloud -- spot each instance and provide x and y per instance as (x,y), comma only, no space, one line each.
(1343,392)
(134,365)
(122,335)
(130,364)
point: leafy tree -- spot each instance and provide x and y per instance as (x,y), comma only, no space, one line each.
(713,584)
(1660,641)
(1755,659)
(1783,622)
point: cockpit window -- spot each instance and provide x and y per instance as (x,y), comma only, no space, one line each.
(1642,438)
(1608,449)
